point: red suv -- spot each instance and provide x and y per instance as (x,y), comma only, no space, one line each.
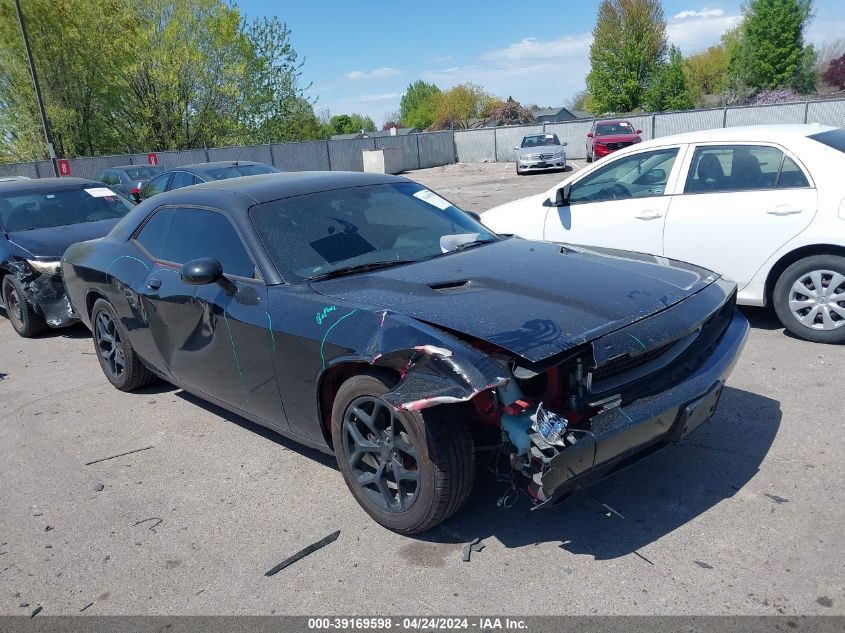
(608,136)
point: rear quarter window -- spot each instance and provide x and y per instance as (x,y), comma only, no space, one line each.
(831,138)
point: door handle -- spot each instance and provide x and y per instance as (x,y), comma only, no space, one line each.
(649,215)
(154,283)
(782,212)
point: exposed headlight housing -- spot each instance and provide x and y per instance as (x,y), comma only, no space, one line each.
(45,267)
(559,153)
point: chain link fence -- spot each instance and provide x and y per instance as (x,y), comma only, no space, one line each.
(497,143)
(429,149)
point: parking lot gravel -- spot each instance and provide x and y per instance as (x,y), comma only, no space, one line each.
(158,503)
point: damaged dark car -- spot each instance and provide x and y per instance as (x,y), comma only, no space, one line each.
(365,315)
(39,219)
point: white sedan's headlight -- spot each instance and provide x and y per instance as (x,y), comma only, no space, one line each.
(45,268)
(559,153)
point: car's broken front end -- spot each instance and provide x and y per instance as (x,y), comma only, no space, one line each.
(617,399)
(43,289)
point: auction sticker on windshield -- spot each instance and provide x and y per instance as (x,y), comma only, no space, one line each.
(100,192)
(433,199)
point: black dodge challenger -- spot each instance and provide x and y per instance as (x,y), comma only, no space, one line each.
(365,315)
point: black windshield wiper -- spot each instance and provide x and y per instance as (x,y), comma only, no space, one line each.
(464,245)
(360,268)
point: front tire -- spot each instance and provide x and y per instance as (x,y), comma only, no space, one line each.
(23,317)
(809,298)
(119,362)
(518,170)
(409,470)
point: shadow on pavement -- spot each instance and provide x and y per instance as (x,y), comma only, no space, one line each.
(656,496)
(263,431)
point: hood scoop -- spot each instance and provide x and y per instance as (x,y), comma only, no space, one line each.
(458,285)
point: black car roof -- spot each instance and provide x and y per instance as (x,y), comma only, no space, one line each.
(142,166)
(267,187)
(45,185)
(202,167)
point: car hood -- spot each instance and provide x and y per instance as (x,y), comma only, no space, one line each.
(543,149)
(617,138)
(54,241)
(534,299)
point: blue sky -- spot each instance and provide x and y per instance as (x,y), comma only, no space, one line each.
(360,56)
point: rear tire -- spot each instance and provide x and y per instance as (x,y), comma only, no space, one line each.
(430,482)
(119,362)
(809,298)
(589,156)
(23,317)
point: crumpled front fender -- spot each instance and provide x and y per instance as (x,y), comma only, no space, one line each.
(434,367)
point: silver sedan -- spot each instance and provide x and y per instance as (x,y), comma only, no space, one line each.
(540,152)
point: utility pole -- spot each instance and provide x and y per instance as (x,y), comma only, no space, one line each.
(47,135)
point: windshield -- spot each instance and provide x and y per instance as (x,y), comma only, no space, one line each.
(831,138)
(235,171)
(143,173)
(315,234)
(540,140)
(606,129)
(27,211)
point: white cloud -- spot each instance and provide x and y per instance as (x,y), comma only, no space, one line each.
(532,48)
(693,31)
(382,97)
(378,73)
(704,13)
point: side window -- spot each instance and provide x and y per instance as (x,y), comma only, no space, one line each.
(791,175)
(733,168)
(109,178)
(194,233)
(636,176)
(181,179)
(152,235)
(155,186)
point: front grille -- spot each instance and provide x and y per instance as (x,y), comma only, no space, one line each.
(626,363)
(542,157)
(619,145)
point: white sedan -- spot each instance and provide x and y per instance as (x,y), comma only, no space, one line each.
(763,205)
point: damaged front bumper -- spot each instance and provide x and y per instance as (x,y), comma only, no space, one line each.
(621,436)
(46,294)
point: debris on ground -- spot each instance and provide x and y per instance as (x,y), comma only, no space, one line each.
(99,487)
(90,604)
(104,459)
(37,610)
(776,498)
(151,528)
(331,538)
(475,545)
(643,557)
(702,564)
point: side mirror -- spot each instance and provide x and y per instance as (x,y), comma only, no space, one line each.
(639,131)
(561,197)
(199,272)
(589,135)
(516,148)
(135,195)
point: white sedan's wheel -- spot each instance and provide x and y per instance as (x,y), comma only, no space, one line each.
(809,298)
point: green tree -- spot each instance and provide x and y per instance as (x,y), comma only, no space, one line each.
(458,106)
(770,52)
(669,89)
(79,60)
(120,75)
(351,124)
(707,73)
(418,105)
(629,43)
